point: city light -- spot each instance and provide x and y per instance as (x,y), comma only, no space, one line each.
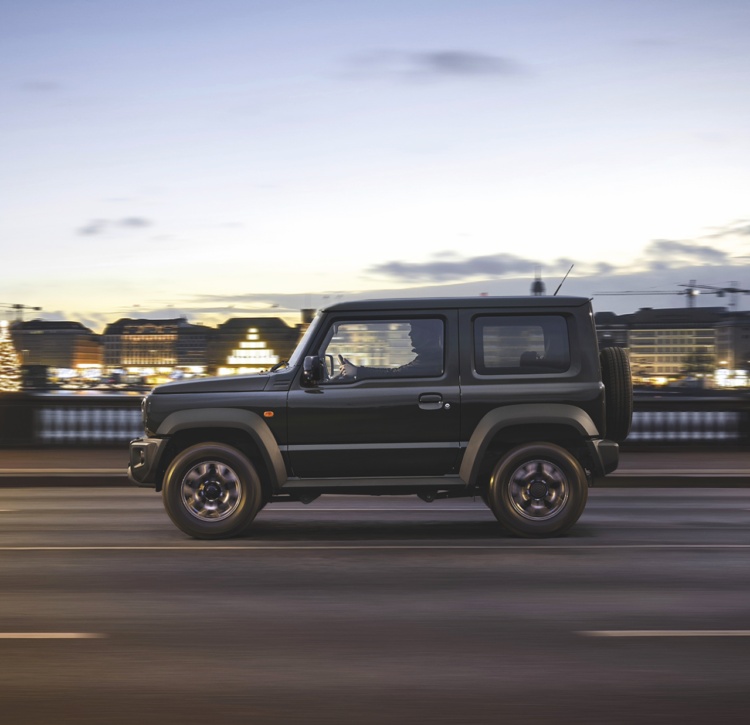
(10,368)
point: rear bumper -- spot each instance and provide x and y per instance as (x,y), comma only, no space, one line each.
(145,454)
(605,456)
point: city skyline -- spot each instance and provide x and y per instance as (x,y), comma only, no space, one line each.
(238,158)
(629,303)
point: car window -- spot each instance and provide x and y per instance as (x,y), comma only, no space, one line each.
(385,348)
(521,345)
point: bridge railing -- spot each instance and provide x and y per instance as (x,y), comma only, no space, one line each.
(39,420)
(690,420)
(42,420)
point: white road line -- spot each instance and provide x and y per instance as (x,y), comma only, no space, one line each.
(687,473)
(63,472)
(667,633)
(51,635)
(470,508)
(386,547)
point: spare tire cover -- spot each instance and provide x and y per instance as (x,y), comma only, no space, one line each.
(618,392)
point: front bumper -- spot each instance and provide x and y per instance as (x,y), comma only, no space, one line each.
(145,454)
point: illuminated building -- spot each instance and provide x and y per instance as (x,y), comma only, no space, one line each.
(51,351)
(10,377)
(156,350)
(733,350)
(252,344)
(666,344)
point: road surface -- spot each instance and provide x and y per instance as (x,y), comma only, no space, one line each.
(367,610)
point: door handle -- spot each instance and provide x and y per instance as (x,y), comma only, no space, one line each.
(430,401)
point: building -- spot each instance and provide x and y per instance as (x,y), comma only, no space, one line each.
(156,350)
(55,351)
(666,344)
(733,342)
(252,344)
(733,350)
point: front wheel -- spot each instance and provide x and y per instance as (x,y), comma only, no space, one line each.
(538,490)
(212,491)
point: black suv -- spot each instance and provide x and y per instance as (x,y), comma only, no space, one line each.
(506,398)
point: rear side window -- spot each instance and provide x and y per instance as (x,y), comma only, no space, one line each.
(521,345)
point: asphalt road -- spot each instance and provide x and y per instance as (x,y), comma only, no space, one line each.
(96,467)
(365,611)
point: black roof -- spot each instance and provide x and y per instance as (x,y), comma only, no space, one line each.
(126,323)
(263,323)
(452,303)
(50,325)
(677,316)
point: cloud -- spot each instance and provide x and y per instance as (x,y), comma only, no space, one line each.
(604,268)
(666,253)
(740,228)
(440,269)
(134,222)
(436,64)
(459,63)
(659,255)
(100,226)
(96,226)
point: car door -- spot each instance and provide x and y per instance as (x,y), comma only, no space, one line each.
(390,415)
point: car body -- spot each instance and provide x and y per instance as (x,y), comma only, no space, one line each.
(515,408)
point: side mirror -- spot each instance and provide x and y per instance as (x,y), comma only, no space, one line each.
(312,370)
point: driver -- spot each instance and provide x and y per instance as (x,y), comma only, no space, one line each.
(427,344)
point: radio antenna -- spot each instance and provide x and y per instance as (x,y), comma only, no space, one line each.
(563,279)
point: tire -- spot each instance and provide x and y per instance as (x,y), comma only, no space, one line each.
(618,392)
(212,491)
(538,490)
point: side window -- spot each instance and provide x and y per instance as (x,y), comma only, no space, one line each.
(384,348)
(521,345)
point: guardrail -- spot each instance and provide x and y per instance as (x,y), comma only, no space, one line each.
(42,420)
(48,420)
(690,420)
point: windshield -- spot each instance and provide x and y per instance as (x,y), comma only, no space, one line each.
(296,357)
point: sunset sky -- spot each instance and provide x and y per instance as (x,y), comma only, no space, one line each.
(220,158)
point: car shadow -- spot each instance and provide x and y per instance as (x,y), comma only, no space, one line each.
(375,531)
(386,531)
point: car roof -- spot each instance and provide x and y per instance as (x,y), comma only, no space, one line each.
(452,303)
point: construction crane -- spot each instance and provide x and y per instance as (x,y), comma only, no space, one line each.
(691,291)
(19,309)
(734,290)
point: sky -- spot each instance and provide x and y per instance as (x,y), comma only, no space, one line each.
(224,158)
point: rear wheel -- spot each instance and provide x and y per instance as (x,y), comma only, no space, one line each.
(212,491)
(538,490)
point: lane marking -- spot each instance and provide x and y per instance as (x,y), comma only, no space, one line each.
(469,509)
(667,633)
(63,472)
(385,547)
(687,473)
(51,635)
